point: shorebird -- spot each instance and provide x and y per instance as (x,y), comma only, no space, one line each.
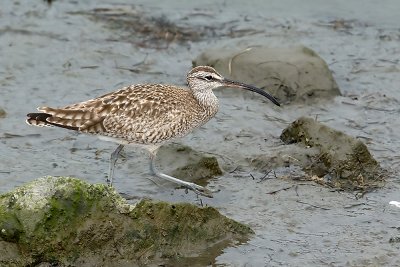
(147,115)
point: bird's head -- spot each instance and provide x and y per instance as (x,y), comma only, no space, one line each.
(205,78)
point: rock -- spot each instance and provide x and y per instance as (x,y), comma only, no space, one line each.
(345,161)
(185,163)
(295,74)
(68,222)
(3,113)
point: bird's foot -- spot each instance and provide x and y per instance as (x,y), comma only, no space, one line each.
(199,190)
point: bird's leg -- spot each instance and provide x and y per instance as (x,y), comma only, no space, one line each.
(113,160)
(200,190)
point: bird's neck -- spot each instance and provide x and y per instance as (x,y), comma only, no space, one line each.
(207,100)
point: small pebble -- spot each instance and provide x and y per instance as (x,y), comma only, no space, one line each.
(2,113)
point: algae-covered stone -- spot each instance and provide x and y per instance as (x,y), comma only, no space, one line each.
(204,168)
(185,163)
(68,222)
(345,160)
(292,74)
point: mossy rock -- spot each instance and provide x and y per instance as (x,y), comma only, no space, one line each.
(343,158)
(67,222)
(185,163)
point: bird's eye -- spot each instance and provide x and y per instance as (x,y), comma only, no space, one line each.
(208,77)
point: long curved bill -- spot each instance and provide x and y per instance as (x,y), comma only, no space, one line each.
(231,83)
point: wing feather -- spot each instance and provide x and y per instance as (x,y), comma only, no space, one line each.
(149,113)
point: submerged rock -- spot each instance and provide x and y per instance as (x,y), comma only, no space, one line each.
(294,74)
(343,161)
(68,222)
(185,163)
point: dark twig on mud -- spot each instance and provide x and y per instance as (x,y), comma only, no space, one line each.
(266,174)
(282,189)
(89,67)
(129,69)
(265,177)
(353,205)
(235,169)
(314,206)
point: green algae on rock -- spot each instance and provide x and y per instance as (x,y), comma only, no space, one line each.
(345,159)
(68,222)
(186,163)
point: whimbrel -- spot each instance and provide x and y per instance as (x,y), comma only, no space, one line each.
(148,115)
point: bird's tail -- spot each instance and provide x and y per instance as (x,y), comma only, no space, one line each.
(46,120)
(86,121)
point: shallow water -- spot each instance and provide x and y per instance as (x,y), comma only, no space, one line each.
(50,55)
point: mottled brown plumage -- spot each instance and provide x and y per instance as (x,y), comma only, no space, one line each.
(142,114)
(145,114)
